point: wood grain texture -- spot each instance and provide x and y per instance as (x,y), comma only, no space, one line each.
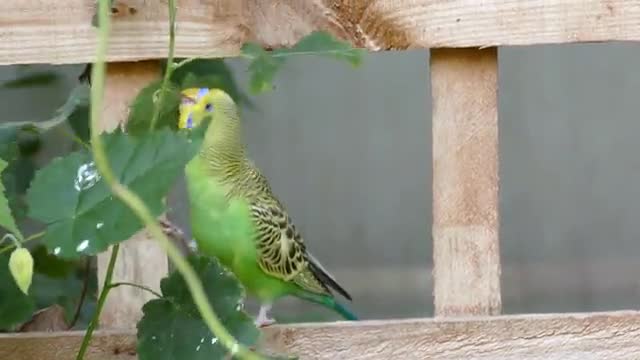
(33,31)
(105,345)
(594,336)
(140,260)
(539,337)
(465,182)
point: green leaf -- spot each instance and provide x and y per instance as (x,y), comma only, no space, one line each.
(66,292)
(21,268)
(172,328)
(8,144)
(210,73)
(264,65)
(142,109)
(79,122)
(19,141)
(16,178)
(323,44)
(81,214)
(29,140)
(42,78)
(26,133)
(6,218)
(51,265)
(15,306)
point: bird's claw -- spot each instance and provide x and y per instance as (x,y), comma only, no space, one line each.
(263,318)
(260,323)
(170,229)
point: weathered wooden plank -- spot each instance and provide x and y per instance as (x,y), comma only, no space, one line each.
(140,260)
(105,345)
(34,31)
(466,254)
(589,336)
(549,337)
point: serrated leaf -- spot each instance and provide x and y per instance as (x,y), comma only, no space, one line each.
(21,268)
(19,141)
(172,328)
(143,107)
(29,141)
(210,73)
(10,131)
(323,44)
(264,65)
(15,306)
(42,78)
(6,218)
(16,179)
(81,214)
(78,120)
(8,144)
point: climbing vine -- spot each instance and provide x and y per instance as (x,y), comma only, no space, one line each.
(113,185)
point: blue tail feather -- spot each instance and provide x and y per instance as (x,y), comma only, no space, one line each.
(344,311)
(330,303)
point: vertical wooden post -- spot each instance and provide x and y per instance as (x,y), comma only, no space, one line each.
(140,259)
(465,182)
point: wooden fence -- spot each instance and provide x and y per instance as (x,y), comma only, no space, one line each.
(463,36)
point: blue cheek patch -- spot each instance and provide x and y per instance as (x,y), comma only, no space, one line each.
(190,121)
(202,92)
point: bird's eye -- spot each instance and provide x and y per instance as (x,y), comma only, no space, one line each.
(208,107)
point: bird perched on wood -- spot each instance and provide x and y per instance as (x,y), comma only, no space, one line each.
(274,262)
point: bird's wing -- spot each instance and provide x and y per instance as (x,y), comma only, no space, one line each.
(283,254)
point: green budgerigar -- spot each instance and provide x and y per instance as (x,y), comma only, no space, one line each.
(275,261)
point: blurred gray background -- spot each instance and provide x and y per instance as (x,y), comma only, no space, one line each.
(349,153)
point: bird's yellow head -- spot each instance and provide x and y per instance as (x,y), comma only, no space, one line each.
(199,103)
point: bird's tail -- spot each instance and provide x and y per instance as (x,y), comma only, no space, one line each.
(330,303)
(343,310)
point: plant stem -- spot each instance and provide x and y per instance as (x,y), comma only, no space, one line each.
(169,69)
(35,236)
(138,207)
(76,139)
(83,292)
(141,287)
(101,300)
(184,62)
(11,237)
(29,238)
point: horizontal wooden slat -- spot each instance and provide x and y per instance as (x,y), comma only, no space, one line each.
(589,336)
(105,345)
(34,31)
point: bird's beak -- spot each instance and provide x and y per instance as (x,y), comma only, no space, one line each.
(189,105)
(187,101)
